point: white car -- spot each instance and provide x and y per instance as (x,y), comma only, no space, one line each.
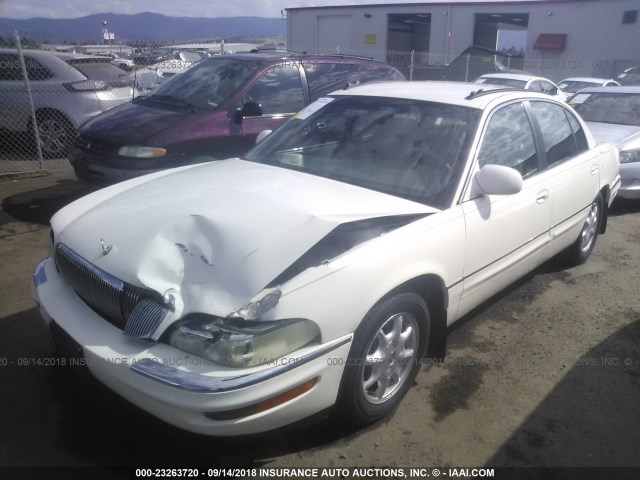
(573,85)
(319,271)
(523,81)
(66,90)
(613,116)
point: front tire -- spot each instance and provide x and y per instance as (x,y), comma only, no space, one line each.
(579,252)
(384,358)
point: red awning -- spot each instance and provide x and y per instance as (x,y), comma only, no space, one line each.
(551,41)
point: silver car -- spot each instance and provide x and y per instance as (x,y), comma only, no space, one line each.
(613,116)
(67,90)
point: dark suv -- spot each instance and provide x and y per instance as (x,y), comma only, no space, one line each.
(212,111)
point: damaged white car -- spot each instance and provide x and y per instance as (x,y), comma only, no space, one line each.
(318,272)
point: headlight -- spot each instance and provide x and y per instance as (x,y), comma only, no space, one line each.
(233,342)
(141,152)
(629,156)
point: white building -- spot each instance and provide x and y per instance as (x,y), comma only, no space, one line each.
(560,38)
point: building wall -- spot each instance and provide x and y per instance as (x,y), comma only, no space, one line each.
(597,42)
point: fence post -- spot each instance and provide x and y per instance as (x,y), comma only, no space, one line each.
(411,65)
(34,123)
(466,68)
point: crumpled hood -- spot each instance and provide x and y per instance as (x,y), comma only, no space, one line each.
(214,234)
(618,135)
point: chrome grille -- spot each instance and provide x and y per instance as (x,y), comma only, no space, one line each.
(128,308)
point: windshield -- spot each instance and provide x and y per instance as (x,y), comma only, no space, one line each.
(503,82)
(407,148)
(206,85)
(572,86)
(617,108)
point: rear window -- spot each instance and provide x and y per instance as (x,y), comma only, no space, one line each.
(616,108)
(324,78)
(502,82)
(97,70)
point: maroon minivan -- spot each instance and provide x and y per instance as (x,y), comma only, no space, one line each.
(212,111)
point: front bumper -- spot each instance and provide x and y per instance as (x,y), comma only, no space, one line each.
(102,171)
(630,174)
(180,388)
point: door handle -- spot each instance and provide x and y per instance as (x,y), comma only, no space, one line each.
(542,196)
(595,169)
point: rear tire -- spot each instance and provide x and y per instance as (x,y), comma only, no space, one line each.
(56,132)
(384,358)
(579,252)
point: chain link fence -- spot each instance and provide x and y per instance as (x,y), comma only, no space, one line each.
(45,96)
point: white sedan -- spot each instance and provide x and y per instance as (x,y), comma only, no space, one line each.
(524,81)
(319,271)
(575,84)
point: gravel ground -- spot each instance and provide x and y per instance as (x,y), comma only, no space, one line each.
(545,374)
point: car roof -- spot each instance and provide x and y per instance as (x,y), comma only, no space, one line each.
(61,55)
(455,93)
(513,76)
(586,79)
(275,55)
(623,89)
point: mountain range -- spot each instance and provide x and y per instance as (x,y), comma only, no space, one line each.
(140,27)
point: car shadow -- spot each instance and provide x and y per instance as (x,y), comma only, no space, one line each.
(623,206)
(590,418)
(71,419)
(38,206)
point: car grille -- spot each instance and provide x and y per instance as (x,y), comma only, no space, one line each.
(135,311)
(95,146)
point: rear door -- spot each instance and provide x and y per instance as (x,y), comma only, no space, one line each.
(571,169)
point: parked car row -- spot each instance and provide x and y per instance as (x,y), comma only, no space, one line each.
(319,270)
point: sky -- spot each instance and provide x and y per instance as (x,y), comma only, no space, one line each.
(188,8)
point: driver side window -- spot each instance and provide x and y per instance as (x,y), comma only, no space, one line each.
(508,140)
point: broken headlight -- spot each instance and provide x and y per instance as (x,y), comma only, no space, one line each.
(235,342)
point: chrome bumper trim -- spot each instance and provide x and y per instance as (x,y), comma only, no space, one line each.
(204,384)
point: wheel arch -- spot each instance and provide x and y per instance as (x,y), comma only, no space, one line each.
(432,289)
(50,111)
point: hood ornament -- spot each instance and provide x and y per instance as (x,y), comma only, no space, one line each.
(106,247)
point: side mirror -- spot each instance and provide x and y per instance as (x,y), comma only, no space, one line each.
(262,135)
(498,180)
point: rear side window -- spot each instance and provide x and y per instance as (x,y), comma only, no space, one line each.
(578,132)
(325,78)
(508,140)
(10,68)
(279,90)
(556,132)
